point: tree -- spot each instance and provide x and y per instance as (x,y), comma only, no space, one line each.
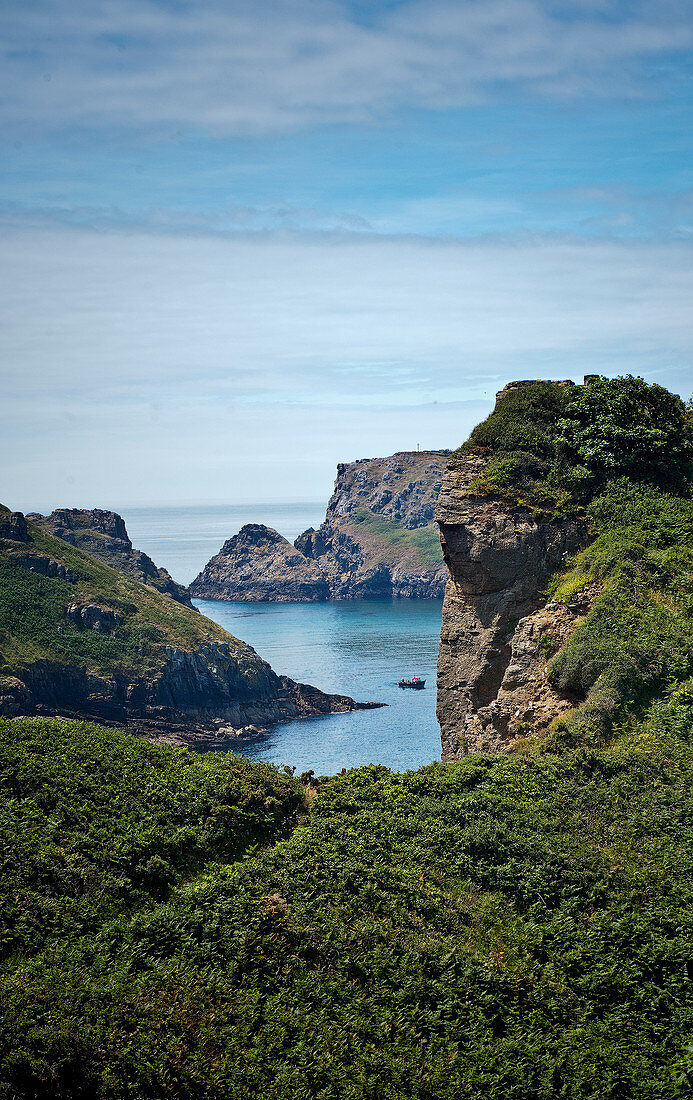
(625,426)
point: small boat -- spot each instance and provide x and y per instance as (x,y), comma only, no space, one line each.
(416,682)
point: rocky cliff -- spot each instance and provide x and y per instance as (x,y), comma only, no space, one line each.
(78,638)
(103,534)
(498,631)
(378,540)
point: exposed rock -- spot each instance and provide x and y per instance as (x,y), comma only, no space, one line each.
(14,696)
(259,564)
(378,540)
(13,526)
(103,534)
(94,617)
(490,664)
(45,567)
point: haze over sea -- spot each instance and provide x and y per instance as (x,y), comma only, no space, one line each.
(354,647)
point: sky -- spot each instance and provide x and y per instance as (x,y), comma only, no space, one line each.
(242,242)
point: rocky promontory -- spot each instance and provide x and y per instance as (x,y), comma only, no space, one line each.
(81,640)
(499,631)
(103,533)
(378,540)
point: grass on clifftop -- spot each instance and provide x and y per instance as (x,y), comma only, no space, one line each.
(508,928)
(33,622)
(420,546)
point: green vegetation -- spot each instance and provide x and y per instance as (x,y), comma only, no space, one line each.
(638,635)
(33,622)
(553,447)
(95,822)
(508,927)
(421,545)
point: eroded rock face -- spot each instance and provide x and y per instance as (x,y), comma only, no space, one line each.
(378,540)
(94,617)
(491,655)
(13,526)
(103,534)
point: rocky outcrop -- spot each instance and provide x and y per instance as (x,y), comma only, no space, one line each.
(259,564)
(94,617)
(103,534)
(378,540)
(108,650)
(13,526)
(497,634)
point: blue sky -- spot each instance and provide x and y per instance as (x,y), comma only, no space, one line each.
(244,242)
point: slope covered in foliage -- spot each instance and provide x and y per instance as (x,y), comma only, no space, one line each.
(95,822)
(504,927)
(34,626)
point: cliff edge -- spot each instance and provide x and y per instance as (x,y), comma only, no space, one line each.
(497,633)
(566,522)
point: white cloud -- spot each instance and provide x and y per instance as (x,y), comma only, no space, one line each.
(143,366)
(242,67)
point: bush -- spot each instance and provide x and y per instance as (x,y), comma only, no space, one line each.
(626,426)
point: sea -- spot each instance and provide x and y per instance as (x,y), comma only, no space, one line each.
(359,648)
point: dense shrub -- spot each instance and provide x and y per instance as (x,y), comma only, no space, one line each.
(626,426)
(526,419)
(94,822)
(553,446)
(638,634)
(499,928)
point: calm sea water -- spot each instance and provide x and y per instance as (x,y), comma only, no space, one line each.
(354,647)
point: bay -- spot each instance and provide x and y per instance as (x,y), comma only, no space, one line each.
(359,648)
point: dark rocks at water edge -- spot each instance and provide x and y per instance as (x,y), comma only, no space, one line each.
(81,640)
(103,534)
(378,540)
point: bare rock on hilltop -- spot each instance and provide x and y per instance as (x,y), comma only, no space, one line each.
(103,533)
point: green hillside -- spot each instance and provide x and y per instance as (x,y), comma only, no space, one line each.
(34,625)
(502,927)
(512,927)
